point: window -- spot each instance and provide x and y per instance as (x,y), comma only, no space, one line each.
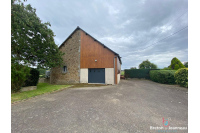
(64,69)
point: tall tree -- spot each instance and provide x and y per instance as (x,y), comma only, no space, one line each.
(147,65)
(176,64)
(32,41)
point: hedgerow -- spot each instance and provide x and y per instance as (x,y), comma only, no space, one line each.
(181,77)
(163,76)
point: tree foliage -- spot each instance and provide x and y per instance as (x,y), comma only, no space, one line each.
(147,65)
(133,68)
(176,64)
(32,41)
(186,64)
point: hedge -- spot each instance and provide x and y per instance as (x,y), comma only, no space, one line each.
(181,77)
(33,78)
(137,73)
(163,76)
(19,74)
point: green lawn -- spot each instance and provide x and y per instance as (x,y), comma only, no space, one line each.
(122,73)
(41,89)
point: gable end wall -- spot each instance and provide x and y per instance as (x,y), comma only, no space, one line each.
(71,59)
(92,50)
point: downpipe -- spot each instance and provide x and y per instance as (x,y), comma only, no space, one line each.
(114,69)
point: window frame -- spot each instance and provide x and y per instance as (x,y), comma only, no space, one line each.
(64,69)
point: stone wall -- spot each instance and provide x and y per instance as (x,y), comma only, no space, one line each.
(28,88)
(44,80)
(71,59)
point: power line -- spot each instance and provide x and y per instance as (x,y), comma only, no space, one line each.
(173,22)
(163,39)
(168,25)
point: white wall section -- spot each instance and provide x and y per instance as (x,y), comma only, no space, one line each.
(84,75)
(109,76)
(118,78)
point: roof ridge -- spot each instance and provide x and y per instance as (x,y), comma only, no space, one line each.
(93,38)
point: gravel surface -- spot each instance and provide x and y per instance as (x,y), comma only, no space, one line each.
(132,106)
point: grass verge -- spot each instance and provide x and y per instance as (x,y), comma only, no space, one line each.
(122,73)
(42,88)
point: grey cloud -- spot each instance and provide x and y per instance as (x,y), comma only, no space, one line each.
(129,27)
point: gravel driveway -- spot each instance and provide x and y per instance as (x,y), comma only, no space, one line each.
(132,106)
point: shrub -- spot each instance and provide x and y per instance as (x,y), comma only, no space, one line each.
(176,64)
(181,77)
(163,76)
(33,78)
(18,76)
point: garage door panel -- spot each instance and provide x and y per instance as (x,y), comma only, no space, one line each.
(96,75)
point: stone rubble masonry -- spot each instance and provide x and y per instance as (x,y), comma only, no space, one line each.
(71,59)
(28,88)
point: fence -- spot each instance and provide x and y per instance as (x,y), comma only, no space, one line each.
(138,73)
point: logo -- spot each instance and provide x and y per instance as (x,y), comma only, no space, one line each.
(166,127)
(166,122)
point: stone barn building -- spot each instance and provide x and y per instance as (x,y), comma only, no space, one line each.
(86,60)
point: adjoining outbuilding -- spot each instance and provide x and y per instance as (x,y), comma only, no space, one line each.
(86,60)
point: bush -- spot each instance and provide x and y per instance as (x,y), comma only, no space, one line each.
(18,76)
(176,64)
(181,77)
(163,76)
(33,78)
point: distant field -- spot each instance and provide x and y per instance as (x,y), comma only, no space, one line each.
(122,72)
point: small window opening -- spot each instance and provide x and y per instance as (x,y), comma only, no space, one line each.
(64,69)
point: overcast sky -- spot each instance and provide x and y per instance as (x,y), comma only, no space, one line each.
(135,29)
